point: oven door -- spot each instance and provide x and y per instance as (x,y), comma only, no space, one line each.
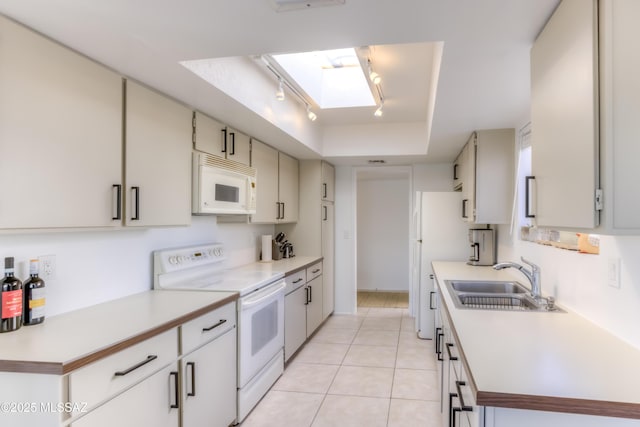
(260,329)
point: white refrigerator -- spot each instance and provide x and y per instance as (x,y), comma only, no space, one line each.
(440,234)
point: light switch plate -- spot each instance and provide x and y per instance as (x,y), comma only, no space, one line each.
(613,272)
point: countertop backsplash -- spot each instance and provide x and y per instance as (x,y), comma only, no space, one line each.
(580,282)
(97,266)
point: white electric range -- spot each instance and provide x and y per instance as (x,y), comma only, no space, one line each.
(260,310)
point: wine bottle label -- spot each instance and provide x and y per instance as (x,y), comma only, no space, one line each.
(36,303)
(11,304)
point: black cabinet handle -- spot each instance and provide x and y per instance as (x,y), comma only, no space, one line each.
(298,280)
(233,144)
(527,197)
(306,297)
(224,141)
(464,208)
(463,407)
(324,190)
(438,340)
(317,270)
(431,294)
(222,321)
(118,188)
(136,203)
(439,337)
(448,346)
(452,421)
(455,171)
(149,358)
(310,294)
(325,213)
(176,386)
(193,378)
(282,210)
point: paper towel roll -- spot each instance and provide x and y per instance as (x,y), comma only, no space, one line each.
(266,248)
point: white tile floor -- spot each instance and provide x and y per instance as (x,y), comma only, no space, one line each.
(365,370)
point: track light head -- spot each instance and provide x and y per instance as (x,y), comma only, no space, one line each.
(311,115)
(280,91)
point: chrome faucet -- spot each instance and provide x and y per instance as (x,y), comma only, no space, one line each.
(533,275)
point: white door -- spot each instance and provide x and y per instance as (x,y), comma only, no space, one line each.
(444,238)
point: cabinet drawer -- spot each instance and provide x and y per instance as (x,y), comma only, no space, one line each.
(111,375)
(314,271)
(295,280)
(207,327)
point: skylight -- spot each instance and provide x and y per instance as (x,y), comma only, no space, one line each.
(332,78)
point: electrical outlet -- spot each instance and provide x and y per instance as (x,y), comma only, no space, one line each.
(613,272)
(47,267)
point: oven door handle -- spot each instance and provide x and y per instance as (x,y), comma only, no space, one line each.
(249,302)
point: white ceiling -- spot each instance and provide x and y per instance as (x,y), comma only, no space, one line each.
(484,74)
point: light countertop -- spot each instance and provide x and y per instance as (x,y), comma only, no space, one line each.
(71,340)
(558,362)
(286,266)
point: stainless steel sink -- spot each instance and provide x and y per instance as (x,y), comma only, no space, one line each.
(495,295)
(489,287)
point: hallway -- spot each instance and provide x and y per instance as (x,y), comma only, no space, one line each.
(364,370)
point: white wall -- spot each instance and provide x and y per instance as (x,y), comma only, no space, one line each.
(391,139)
(579,281)
(98,266)
(383,209)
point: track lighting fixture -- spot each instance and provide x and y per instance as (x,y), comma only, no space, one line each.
(280,91)
(373,76)
(379,112)
(310,114)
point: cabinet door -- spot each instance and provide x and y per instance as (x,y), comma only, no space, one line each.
(328,182)
(60,135)
(238,147)
(148,403)
(564,117)
(208,135)
(158,159)
(328,230)
(295,324)
(469,180)
(314,306)
(265,160)
(209,383)
(288,188)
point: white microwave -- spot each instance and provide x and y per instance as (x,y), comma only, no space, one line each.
(222,186)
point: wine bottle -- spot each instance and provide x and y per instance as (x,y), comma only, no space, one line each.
(34,298)
(10,299)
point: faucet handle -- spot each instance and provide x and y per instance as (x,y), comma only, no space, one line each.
(533,266)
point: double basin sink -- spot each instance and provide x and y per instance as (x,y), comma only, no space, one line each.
(495,295)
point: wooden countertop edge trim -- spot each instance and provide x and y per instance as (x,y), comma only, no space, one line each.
(57,368)
(559,404)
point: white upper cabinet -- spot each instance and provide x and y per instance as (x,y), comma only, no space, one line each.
(60,135)
(238,147)
(564,117)
(277,185)
(158,159)
(485,175)
(213,137)
(265,160)
(328,182)
(619,115)
(288,188)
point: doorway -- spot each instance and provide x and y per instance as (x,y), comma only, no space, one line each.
(383,213)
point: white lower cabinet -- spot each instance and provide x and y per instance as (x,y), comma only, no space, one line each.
(209,385)
(314,305)
(295,317)
(152,402)
(303,307)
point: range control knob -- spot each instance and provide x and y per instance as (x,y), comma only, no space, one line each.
(173,260)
